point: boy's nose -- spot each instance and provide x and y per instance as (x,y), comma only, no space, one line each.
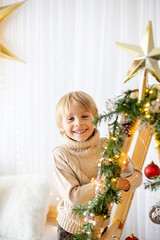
(78,121)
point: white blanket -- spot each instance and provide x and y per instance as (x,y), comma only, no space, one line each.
(50,233)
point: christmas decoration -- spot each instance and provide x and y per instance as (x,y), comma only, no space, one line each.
(109,173)
(127,128)
(151,170)
(4,12)
(142,110)
(154,213)
(154,184)
(131,237)
(146,58)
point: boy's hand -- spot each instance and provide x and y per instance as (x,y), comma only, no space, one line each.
(123,184)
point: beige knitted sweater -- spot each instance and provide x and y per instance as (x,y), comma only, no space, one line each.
(74,164)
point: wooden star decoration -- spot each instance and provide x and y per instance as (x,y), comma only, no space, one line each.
(145,56)
(4,12)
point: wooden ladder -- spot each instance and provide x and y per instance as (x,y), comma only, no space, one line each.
(138,157)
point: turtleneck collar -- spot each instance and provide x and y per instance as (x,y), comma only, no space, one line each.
(91,142)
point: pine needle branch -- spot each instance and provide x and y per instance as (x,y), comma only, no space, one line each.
(154,184)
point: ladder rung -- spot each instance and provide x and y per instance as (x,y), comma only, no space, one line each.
(112,229)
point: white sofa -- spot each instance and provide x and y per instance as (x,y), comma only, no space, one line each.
(24,206)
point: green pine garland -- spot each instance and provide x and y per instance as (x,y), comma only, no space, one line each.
(129,106)
(153,184)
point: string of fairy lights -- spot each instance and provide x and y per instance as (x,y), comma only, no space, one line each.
(147,112)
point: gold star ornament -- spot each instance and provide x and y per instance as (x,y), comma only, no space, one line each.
(4,12)
(146,58)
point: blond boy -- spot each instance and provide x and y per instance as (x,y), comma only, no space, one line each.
(75,162)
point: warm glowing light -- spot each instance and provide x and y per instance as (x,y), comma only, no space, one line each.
(99,164)
(114,180)
(94,223)
(147,104)
(93,184)
(92,214)
(151,91)
(93,179)
(101,230)
(85,213)
(157,144)
(86,219)
(114,138)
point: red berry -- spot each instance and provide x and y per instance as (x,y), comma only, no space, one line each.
(152,170)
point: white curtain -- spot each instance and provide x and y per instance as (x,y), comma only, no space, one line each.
(68,45)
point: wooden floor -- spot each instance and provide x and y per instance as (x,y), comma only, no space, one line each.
(52,214)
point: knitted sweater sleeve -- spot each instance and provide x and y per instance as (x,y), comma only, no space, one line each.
(67,183)
(133,175)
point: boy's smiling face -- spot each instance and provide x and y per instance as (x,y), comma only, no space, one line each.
(76,123)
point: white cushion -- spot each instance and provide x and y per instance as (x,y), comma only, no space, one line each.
(24,202)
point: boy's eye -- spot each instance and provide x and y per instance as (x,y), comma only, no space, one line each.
(70,118)
(84,116)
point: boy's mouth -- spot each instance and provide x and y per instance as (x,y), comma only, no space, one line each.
(80,131)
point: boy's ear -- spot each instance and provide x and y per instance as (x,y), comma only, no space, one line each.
(62,130)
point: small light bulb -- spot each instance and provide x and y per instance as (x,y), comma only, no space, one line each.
(114,180)
(114,138)
(147,104)
(157,144)
(94,223)
(101,230)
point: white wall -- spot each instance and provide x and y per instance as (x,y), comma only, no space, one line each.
(67,45)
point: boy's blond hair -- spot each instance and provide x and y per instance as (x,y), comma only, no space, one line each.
(80,97)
